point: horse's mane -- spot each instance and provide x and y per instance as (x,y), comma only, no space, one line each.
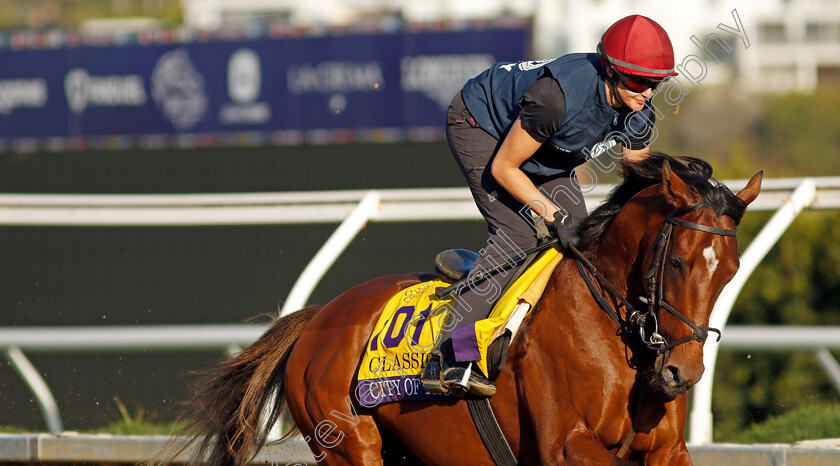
(696,173)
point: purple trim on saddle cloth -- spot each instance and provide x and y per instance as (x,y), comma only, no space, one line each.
(465,344)
(375,392)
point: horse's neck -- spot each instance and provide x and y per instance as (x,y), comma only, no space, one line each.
(615,254)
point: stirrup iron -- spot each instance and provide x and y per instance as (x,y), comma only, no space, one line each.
(462,387)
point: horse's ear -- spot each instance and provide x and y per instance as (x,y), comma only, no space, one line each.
(750,192)
(675,189)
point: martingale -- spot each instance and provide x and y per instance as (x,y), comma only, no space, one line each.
(410,323)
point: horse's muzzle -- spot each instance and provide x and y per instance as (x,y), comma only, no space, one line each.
(673,381)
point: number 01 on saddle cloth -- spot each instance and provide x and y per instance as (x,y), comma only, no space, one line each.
(411,322)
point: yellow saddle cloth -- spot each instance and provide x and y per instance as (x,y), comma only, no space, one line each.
(412,321)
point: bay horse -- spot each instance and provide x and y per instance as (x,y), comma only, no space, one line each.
(588,375)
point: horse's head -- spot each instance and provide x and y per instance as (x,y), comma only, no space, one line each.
(681,230)
(688,261)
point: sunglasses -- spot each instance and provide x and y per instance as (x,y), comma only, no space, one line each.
(637,84)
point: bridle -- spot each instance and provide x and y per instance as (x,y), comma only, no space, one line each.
(655,284)
(646,323)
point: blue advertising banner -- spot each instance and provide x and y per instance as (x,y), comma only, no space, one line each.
(281,90)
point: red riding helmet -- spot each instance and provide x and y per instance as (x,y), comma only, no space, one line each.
(637,45)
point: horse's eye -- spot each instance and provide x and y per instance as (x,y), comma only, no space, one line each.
(676,263)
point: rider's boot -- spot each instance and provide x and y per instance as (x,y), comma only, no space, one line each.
(464,378)
(442,375)
(431,378)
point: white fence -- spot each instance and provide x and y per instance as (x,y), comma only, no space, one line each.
(73,448)
(353,209)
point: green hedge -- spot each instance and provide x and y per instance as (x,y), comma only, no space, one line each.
(807,423)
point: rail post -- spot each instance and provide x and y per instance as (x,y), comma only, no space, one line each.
(329,252)
(43,396)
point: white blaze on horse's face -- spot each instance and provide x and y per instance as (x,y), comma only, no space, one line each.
(711,260)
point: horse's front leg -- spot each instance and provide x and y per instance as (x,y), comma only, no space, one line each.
(582,446)
(676,455)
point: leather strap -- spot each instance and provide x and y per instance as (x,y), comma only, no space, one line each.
(701,227)
(627,441)
(631,311)
(490,432)
(598,296)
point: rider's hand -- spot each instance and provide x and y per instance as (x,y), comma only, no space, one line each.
(565,233)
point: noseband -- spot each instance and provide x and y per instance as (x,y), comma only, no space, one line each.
(646,323)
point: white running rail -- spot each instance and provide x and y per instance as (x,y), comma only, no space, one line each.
(353,209)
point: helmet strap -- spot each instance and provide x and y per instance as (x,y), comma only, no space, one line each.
(612,82)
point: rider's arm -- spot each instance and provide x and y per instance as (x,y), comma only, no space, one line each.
(543,108)
(517,147)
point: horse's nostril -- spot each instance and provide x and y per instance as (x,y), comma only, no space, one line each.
(671,374)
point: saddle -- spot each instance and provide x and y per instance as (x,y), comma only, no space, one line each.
(397,350)
(454,265)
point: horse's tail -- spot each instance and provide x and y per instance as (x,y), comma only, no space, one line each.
(234,409)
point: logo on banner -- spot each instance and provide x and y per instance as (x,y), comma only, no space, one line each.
(83,90)
(244,82)
(335,78)
(440,77)
(15,93)
(178,89)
